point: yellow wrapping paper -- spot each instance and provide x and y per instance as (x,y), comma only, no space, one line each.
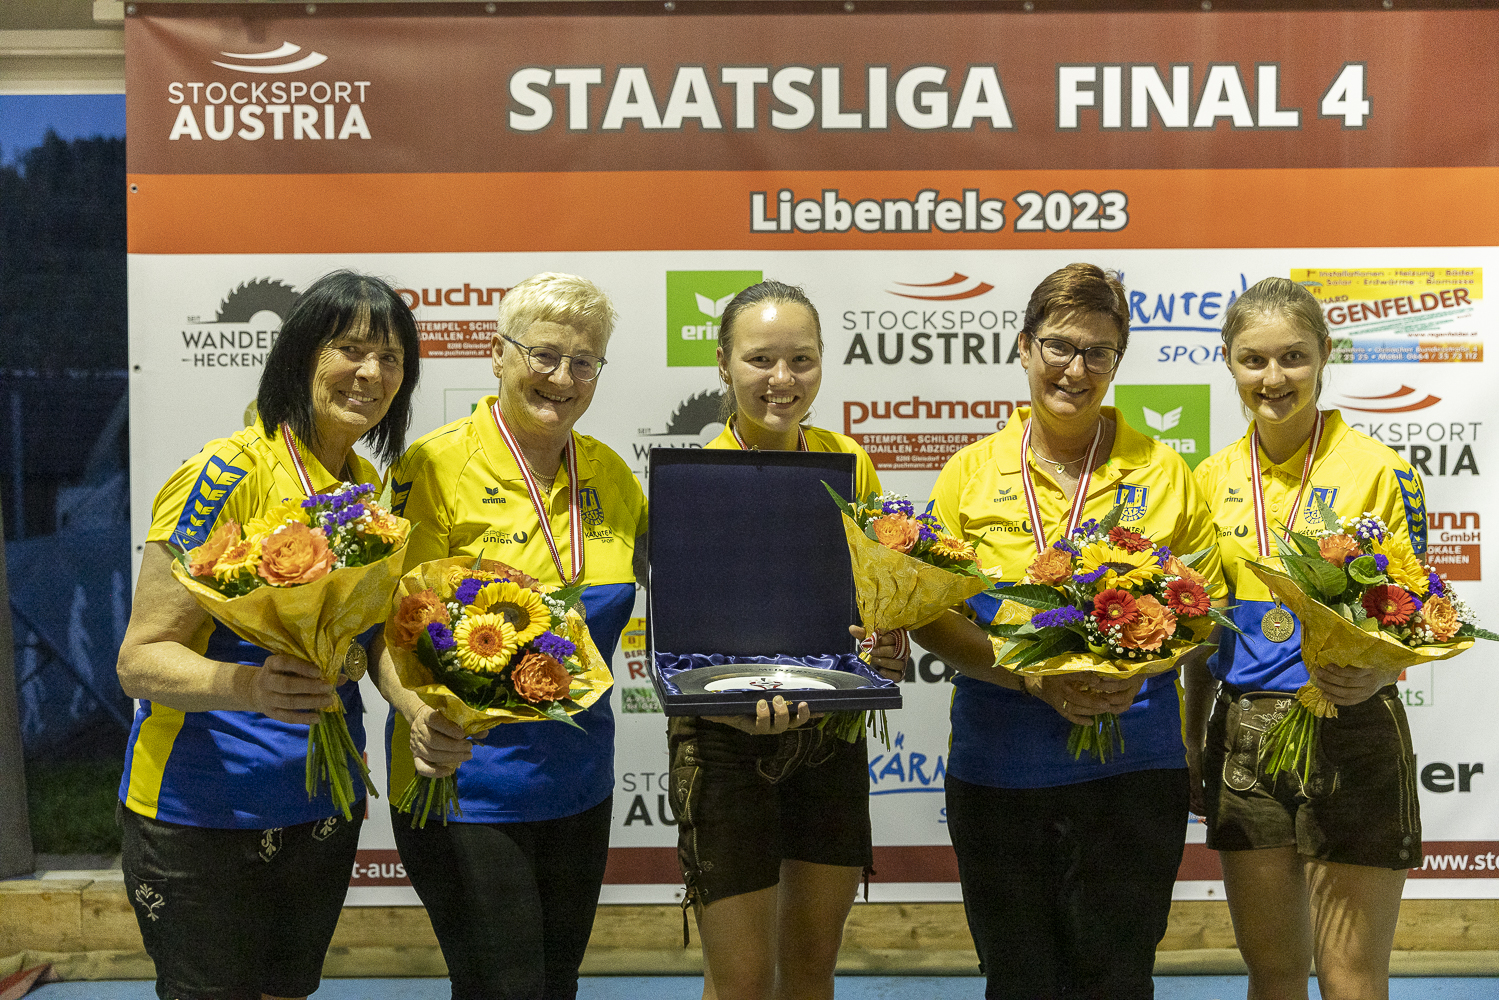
(313,621)
(1172,650)
(475,721)
(895,590)
(1329,639)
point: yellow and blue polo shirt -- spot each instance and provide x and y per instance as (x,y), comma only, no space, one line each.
(229,770)
(464,494)
(866,480)
(1003,738)
(1353,474)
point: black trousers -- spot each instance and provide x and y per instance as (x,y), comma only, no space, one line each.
(512,903)
(1067,889)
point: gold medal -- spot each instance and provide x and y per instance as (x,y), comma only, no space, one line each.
(1277,624)
(356,661)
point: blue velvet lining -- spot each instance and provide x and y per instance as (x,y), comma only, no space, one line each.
(668,665)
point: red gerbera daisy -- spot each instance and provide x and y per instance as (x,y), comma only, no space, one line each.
(1389,605)
(1114,607)
(1129,541)
(1187,598)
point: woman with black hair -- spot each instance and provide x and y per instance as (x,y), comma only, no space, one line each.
(237,877)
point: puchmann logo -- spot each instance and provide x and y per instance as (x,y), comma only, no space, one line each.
(1178,416)
(903,772)
(695,302)
(279,109)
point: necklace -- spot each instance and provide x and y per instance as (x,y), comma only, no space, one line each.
(1060,466)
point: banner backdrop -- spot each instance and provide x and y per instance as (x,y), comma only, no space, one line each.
(917,174)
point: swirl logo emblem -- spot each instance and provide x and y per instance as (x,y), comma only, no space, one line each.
(258,62)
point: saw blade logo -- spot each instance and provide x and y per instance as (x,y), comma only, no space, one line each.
(243,327)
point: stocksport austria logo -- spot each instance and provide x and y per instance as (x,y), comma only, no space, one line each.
(243,327)
(959,286)
(1437,438)
(943,322)
(695,301)
(267,96)
(1178,416)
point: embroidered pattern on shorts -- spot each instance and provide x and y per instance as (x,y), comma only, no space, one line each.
(270,843)
(323,829)
(149,900)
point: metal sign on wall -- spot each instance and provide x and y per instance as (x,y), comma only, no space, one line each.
(917,174)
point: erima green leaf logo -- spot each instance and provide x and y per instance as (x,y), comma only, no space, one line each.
(695,301)
(1175,415)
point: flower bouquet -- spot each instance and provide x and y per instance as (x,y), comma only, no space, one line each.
(1364,600)
(1104,601)
(907,570)
(485,644)
(304,580)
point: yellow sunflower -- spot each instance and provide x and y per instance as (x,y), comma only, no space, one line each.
(241,557)
(523,609)
(485,643)
(954,548)
(1123,568)
(1404,568)
(286,512)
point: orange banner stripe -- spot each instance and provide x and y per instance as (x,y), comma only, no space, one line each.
(697,210)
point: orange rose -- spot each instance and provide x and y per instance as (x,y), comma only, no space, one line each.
(1175,567)
(1441,618)
(1051,568)
(416,612)
(1154,625)
(293,554)
(896,531)
(1338,549)
(201,560)
(538,678)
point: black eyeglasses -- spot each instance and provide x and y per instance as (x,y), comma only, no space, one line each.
(544,361)
(1059,354)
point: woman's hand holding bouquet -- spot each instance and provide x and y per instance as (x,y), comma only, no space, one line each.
(303,580)
(1365,603)
(907,570)
(484,644)
(1105,602)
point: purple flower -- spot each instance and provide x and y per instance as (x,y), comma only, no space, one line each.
(1064,545)
(1416,601)
(1065,615)
(553,645)
(927,534)
(313,501)
(1381,563)
(1434,585)
(1088,527)
(442,636)
(1091,577)
(467,591)
(898,507)
(1163,556)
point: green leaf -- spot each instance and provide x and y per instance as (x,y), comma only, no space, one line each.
(1224,620)
(571,595)
(426,653)
(1474,632)
(843,504)
(1051,645)
(1194,558)
(554,710)
(1003,631)
(1298,545)
(1329,516)
(1111,519)
(1032,595)
(1365,570)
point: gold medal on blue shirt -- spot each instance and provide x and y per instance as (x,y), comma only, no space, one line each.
(1278,624)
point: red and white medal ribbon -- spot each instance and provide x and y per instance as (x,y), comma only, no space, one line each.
(574,506)
(801,438)
(902,642)
(1078,502)
(297,461)
(1261,524)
